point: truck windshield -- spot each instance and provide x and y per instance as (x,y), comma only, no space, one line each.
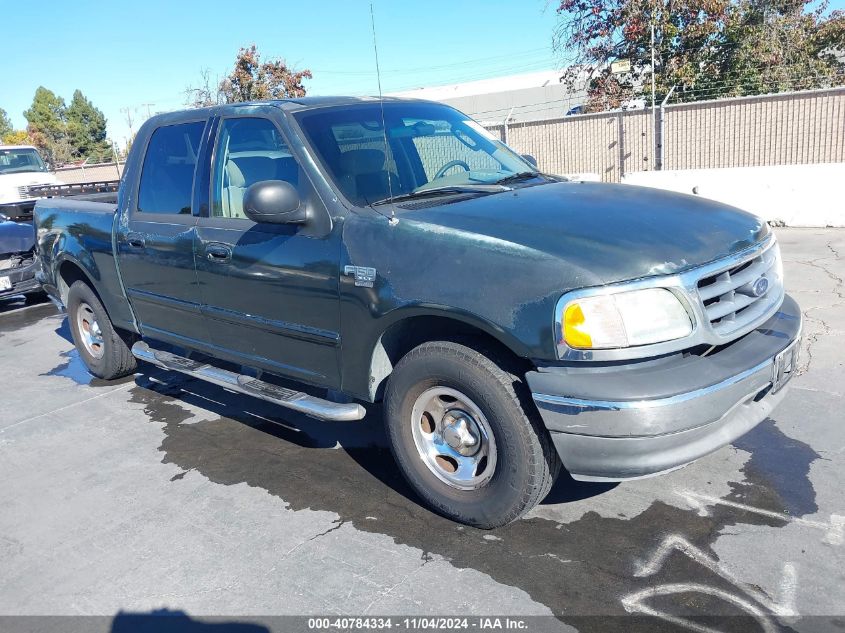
(428,147)
(14,160)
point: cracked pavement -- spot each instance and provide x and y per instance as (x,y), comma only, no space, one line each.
(161,492)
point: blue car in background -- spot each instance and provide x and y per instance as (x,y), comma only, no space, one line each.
(17,258)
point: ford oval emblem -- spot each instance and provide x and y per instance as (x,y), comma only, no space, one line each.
(760,287)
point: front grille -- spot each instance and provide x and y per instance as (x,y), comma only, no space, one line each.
(740,295)
(24,191)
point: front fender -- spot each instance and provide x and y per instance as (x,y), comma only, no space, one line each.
(504,290)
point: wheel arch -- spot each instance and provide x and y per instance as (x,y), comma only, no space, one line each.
(69,271)
(412,328)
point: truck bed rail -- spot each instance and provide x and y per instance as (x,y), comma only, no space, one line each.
(98,191)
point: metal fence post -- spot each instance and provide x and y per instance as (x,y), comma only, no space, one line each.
(662,144)
(505,127)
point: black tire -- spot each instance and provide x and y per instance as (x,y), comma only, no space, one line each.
(115,359)
(526,461)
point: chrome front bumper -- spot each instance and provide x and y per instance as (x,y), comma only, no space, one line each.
(663,414)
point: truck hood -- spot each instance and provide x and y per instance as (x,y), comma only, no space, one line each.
(610,232)
(16,237)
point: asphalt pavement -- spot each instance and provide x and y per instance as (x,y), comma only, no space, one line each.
(162,494)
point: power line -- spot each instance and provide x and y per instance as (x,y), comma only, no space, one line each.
(508,57)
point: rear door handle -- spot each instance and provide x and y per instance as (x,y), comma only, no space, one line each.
(135,240)
(220,253)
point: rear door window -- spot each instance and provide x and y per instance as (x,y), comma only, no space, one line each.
(167,176)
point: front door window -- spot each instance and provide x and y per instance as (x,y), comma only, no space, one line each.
(249,150)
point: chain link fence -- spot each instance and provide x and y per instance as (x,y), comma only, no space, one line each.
(98,172)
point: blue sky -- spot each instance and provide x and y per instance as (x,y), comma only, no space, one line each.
(124,55)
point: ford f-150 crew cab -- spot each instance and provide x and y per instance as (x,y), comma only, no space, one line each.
(322,253)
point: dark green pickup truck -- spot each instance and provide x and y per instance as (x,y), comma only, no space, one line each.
(323,252)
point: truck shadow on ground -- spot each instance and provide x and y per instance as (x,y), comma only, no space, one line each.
(16,303)
(167,621)
(585,566)
(17,313)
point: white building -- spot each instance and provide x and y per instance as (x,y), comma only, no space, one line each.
(525,97)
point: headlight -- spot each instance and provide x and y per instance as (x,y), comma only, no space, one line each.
(8,194)
(624,319)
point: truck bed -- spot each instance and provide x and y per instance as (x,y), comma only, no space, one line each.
(99,191)
(78,232)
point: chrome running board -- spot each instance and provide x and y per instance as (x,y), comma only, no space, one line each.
(295,400)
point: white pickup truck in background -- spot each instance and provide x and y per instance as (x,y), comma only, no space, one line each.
(21,169)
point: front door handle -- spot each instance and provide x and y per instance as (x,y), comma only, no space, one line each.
(219,253)
(135,240)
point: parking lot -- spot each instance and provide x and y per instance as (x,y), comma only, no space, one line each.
(161,492)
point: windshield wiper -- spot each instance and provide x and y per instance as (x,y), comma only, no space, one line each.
(438,191)
(518,176)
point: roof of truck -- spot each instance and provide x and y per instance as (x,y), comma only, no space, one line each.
(17,147)
(291,105)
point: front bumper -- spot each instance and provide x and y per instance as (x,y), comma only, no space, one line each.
(617,422)
(22,280)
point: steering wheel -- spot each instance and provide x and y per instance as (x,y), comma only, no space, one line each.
(452,163)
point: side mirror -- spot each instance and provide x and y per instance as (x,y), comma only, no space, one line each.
(530,159)
(274,201)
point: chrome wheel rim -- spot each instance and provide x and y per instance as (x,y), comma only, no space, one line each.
(89,331)
(453,438)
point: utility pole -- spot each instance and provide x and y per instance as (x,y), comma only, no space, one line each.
(148,108)
(116,157)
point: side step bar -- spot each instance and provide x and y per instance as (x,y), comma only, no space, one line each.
(295,400)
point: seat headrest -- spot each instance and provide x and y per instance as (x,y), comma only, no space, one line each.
(357,162)
(236,177)
(256,168)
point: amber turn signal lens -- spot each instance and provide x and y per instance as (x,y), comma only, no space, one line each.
(573,322)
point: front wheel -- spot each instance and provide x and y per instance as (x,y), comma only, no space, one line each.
(105,353)
(465,435)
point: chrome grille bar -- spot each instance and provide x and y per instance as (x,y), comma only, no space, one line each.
(738,296)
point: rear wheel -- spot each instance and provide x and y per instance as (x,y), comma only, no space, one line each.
(105,353)
(465,435)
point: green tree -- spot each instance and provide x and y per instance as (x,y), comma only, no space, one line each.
(250,80)
(17,137)
(47,114)
(704,48)
(6,126)
(781,46)
(86,130)
(47,126)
